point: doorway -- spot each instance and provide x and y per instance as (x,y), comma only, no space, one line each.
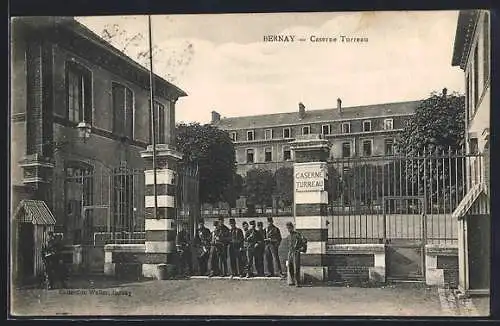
(26,254)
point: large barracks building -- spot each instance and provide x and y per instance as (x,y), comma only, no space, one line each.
(263,141)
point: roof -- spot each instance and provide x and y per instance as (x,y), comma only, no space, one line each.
(290,118)
(35,212)
(78,28)
(465,30)
(468,201)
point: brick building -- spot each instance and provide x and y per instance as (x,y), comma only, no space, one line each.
(263,141)
(66,80)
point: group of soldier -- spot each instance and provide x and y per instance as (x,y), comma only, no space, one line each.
(247,252)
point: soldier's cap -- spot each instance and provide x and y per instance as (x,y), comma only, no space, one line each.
(260,223)
(232,220)
(216,223)
(244,223)
(252,222)
(269,219)
(201,221)
(221,218)
(289,224)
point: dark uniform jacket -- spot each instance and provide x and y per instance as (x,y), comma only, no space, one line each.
(182,240)
(297,242)
(260,235)
(203,237)
(225,234)
(252,237)
(273,235)
(237,236)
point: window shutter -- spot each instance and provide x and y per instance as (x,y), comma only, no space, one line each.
(129,113)
(118,109)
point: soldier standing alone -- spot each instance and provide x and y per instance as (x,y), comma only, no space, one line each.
(297,244)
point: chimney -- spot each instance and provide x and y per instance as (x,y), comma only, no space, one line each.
(339,105)
(215,117)
(302,111)
(444,92)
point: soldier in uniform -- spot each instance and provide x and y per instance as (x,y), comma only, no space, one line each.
(259,249)
(51,256)
(235,247)
(183,245)
(225,237)
(272,241)
(216,260)
(251,245)
(243,251)
(202,242)
(297,244)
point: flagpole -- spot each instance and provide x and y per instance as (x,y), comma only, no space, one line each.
(153,117)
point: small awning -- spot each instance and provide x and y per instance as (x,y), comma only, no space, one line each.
(468,201)
(35,212)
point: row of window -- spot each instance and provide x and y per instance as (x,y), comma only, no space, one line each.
(366,150)
(79,102)
(472,75)
(306,130)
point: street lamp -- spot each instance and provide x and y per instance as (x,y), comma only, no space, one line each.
(84,131)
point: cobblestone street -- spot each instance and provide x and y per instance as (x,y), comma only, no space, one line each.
(239,297)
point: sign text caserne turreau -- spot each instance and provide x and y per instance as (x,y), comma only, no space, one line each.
(309,180)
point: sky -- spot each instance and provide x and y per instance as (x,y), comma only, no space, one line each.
(223,64)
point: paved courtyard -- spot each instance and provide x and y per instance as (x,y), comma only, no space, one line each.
(240,297)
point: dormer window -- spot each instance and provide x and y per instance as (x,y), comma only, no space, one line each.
(286,133)
(388,124)
(325,129)
(346,127)
(367,126)
(306,130)
(268,134)
(250,135)
(232,135)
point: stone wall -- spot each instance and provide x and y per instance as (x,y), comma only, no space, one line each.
(441,265)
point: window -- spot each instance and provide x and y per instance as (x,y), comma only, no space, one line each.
(268,155)
(160,124)
(325,129)
(367,126)
(476,77)
(473,146)
(123,192)
(286,133)
(389,147)
(287,154)
(250,135)
(233,135)
(486,48)
(346,127)
(250,156)
(367,147)
(79,93)
(268,134)
(388,124)
(346,149)
(306,130)
(123,110)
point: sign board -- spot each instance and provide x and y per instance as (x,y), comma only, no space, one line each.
(309,178)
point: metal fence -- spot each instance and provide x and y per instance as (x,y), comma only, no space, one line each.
(98,208)
(398,198)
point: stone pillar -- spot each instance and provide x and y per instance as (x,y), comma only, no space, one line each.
(160,229)
(311,203)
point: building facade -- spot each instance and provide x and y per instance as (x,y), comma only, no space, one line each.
(472,53)
(363,131)
(63,77)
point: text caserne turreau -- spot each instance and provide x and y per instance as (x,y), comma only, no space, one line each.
(314,39)
(95,292)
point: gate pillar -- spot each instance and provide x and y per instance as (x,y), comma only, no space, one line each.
(311,203)
(160,228)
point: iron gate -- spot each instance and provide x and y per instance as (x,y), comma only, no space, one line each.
(95,208)
(404,202)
